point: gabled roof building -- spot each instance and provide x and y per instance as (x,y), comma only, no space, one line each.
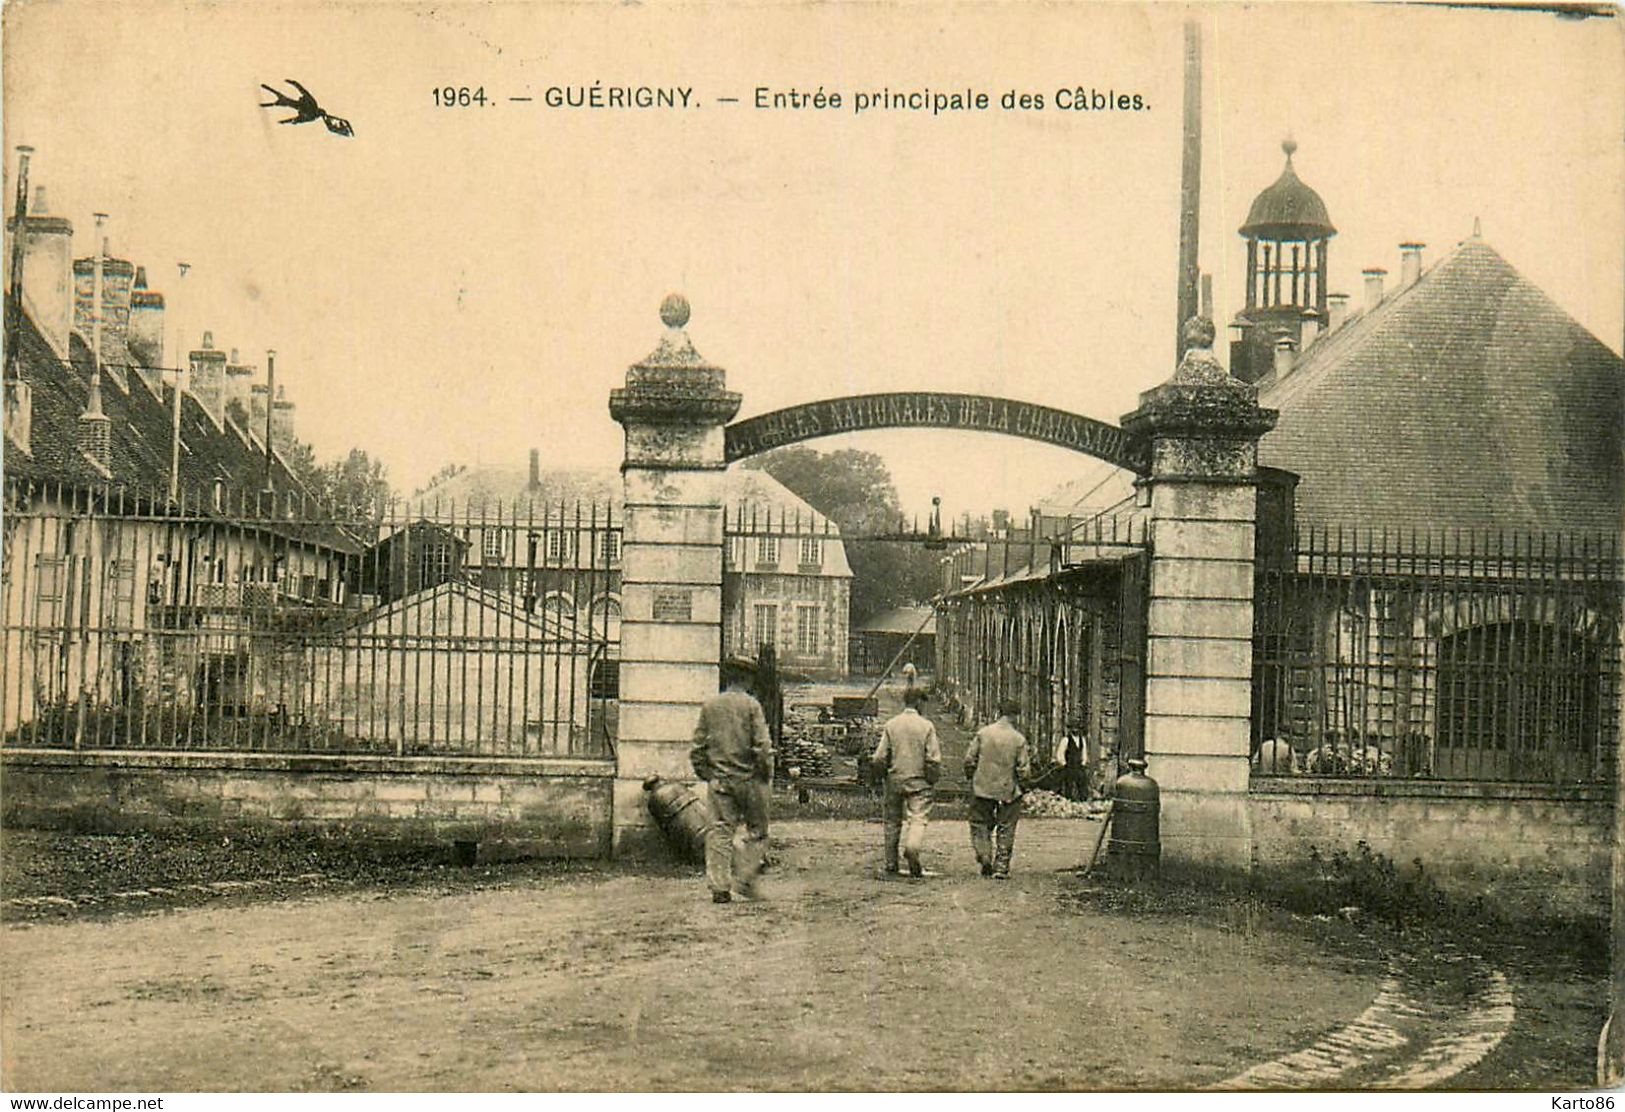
(89,419)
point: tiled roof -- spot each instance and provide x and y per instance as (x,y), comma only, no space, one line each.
(141,423)
(1467,400)
(1288,207)
(906,620)
(504,491)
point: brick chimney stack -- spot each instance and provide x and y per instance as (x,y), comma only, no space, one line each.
(259,402)
(47,271)
(1337,310)
(282,420)
(239,383)
(1285,354)
(118,287)
(535,469)
(1373,286)
(146,339)
(208,386)
(1410,263)
(1311,327)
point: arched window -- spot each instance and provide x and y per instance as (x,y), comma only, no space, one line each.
(560,607)
(1518,698)
(605,609)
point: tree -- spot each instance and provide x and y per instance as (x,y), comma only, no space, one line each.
(354,481)
(357,480)
(301,460)
(854,489)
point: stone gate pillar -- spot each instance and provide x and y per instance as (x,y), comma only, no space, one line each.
(1204,427)
(673,408)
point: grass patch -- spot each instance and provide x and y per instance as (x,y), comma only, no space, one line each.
(73,865)
(1355,895)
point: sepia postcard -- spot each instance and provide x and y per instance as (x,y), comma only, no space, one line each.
(913,547)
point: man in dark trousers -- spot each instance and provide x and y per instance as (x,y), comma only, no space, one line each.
(1070,755)
(912,757)
(996,764)
(733,751)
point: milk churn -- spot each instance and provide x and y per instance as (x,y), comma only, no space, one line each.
(1136,845)
(681,815)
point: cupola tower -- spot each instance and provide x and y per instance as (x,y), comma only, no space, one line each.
(1287,230)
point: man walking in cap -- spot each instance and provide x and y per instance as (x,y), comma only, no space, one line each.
(912,757)
(734,752)
(996,764)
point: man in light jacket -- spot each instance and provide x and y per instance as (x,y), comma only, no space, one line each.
(734,752)
(996,764)
(912,757)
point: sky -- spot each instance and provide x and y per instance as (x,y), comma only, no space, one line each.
(459,285)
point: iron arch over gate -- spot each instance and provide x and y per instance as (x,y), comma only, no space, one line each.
(972,412)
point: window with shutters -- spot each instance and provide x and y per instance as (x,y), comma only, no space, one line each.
(812,553)
(767,551)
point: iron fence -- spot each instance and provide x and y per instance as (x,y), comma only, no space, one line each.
(1467,656)
(249,621)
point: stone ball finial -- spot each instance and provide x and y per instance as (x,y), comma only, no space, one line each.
(1199,333)
(1290,146)
(674,310)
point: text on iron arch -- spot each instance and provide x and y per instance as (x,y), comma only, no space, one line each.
(970,412)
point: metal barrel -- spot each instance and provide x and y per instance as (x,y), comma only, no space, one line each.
(1136,845)
(681,815)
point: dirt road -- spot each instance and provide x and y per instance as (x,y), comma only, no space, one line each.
(623,981)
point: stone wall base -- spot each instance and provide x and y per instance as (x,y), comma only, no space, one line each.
(545,807)
(1527,850)
(1206,829)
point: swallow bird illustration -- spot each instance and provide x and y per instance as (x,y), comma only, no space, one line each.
(305,109)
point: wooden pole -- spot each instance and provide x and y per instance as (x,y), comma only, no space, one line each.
(1190,189)
(270,409)
(19,232)
(96,296)
(183,362)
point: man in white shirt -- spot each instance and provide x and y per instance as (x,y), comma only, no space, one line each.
(911,754)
